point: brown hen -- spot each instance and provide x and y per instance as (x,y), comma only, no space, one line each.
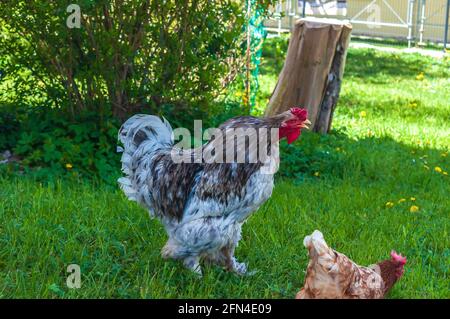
(332,275)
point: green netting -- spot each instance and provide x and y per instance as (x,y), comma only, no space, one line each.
(257,35)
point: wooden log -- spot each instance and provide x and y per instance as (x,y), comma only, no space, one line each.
(313,70)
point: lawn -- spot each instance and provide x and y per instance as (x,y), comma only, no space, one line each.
(390,143)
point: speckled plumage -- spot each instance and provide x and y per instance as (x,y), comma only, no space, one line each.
(201,205)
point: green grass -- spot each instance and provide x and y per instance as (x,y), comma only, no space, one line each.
(388,128)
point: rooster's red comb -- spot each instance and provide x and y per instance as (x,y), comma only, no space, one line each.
(398,258)
(301,114)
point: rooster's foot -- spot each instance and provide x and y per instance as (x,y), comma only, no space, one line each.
(193,264)
(241,268)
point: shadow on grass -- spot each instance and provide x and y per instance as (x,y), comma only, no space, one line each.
(369,159)
(369,64)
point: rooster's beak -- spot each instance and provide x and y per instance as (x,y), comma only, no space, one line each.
(306,124)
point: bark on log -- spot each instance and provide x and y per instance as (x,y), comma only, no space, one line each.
(313,70)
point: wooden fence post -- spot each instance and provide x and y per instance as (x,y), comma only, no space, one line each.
(313,70)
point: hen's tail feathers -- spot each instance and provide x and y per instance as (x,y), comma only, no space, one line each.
(141,135)
(316,244)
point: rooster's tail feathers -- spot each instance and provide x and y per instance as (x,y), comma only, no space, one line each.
(141,135)
(143,127)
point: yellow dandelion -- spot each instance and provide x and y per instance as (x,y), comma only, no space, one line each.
(413,199)
(317,174)
(420,76)
(414,209)
(69,166)
(362,113)
(389,204)
(401,200)
(444,173)
(438,169)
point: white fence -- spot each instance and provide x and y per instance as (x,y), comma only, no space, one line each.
(415,20)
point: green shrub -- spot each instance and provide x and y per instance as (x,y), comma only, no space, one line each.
(9,127)
(51,145)
(126,57)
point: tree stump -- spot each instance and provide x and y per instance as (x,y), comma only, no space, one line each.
(313,70)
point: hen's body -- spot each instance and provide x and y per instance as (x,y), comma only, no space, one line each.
(332,275)
(202,206)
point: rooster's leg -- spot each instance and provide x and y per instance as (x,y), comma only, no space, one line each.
(240,268)
(173,250)
(231,264)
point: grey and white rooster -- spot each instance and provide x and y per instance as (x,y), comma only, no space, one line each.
(202,205)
